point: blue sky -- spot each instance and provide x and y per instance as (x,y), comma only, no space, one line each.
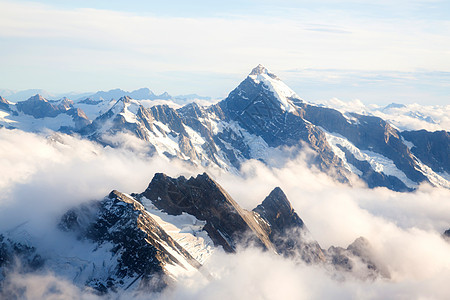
(388,51)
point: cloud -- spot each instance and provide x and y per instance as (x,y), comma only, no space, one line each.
(39,286)
(75,46)
(42,176)
(406,117)
(45,175)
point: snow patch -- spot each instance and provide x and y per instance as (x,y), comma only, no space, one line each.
(281,91)
(185,229)
(378,162)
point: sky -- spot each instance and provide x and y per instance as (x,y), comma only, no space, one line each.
(376,51)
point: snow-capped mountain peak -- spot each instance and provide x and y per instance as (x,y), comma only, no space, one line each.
(281,91)
(37,97)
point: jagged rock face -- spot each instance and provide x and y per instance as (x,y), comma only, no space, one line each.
(140,245)
(286,230)
(38,107)
(367,133)
(374,179)
(90,101)
(446,234)
(257,110)
(168,116)
(274,225)
(432,148)
(226,222)
(11,252)
(79,117)
(128,249)
(358,259)
(263,113)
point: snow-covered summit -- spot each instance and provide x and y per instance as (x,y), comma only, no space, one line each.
(37,97)
(282,92)
(126,107)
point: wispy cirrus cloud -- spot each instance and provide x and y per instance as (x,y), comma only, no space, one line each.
(91,48)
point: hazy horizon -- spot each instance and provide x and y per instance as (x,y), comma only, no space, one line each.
(377,53)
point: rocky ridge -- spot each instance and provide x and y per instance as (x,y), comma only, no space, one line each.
(127,247)
(260,116)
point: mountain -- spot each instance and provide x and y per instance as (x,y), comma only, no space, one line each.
(260,117)
(403,116)
(38,113)
(144,242)
(190,97)
(139,94)
(15,96)
(4,104)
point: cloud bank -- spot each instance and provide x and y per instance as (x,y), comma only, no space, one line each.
(41,177)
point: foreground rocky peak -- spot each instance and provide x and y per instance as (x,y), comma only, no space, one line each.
(273,225)
(358,259)
(287,230)
(278,211)
(143,254)
(226,222)
(145,242)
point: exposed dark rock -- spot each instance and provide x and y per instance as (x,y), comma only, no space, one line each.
(286,230)
(18,256)
(367,133)
(38,107)
(226,222)
(358,259)
(252,116)
(432,148)
(138,241)
(79,117)
(372,178)
(446,234)
(273,225)
(89,101)
(168,116)
(257,110)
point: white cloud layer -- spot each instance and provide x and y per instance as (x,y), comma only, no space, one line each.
(42,177)
(67,47)
(405,117)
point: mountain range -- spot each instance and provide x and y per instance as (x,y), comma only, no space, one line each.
(144,241)
(139,94)
(260,117)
